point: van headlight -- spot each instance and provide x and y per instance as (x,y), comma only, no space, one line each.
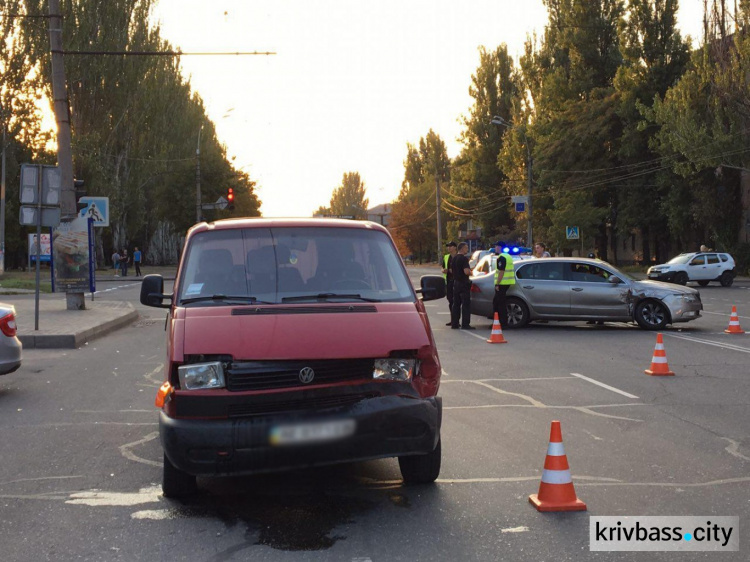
(394,369)
(198,376)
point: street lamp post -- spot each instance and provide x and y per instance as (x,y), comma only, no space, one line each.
(497,120)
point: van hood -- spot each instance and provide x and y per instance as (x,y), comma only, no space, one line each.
(319,331)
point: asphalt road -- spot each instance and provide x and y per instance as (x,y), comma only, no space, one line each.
(80,469)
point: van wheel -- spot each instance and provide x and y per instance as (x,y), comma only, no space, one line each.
(681,278)
(176,483)
(421,469)
(726,279)
(518,313)
(703,283)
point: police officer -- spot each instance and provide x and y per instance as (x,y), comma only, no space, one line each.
(461,309)
(448,273)
(505,278)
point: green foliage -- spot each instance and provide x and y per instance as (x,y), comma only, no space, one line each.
(349,198)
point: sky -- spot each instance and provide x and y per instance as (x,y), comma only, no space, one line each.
(351,83)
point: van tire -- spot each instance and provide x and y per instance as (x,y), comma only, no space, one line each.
(176,483)
(421,469)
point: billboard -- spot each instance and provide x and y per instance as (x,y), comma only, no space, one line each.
(70,242)
(44,250)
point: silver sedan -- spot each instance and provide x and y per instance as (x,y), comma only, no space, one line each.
(10,346)
(585,289)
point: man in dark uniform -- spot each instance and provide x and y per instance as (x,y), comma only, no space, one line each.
(461,289)
(448,274)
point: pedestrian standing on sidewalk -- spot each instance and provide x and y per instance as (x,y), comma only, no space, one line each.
(116,263)
(448,274)
(137,261)
(461,310)
(124,259)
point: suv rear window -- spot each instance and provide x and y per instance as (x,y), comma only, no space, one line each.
(276,264)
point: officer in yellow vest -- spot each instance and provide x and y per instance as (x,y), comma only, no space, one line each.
(448,273)
(505,278)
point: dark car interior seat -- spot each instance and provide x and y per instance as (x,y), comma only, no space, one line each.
(215,269)
(261,268)
(337,269)
(290,280)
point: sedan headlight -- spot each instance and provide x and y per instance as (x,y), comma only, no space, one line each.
(690,298)
(199,376)
(394,369)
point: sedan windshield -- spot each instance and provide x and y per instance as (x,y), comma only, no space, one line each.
(272,265)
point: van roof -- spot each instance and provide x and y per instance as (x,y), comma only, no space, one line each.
(259,222)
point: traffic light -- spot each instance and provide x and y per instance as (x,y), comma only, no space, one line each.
(80,192)
(230,198)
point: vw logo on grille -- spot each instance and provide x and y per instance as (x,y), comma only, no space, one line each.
(306,375)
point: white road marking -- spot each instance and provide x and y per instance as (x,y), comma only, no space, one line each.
(115,288)
(724,314)
(708,342)
(125,450)
(515,530)
(98,498)
(612,388)
(512,380)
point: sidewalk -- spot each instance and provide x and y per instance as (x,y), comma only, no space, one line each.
(67,329)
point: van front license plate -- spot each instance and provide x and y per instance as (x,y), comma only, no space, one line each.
(309,433)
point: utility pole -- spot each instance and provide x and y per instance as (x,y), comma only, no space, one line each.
(68,208)
(530,240)
(2,206)
(437,203)
(198,206)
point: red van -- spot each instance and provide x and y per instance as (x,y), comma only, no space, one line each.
(295,343)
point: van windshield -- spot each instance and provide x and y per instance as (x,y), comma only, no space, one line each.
(274,265)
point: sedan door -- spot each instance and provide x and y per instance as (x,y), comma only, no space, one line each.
(592,294)
(542,283)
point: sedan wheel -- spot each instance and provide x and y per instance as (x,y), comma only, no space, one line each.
(518,313)
(651,315)
(681,278)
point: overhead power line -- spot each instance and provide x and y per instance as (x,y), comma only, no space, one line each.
(160,53)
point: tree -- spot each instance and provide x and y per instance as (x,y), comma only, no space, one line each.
(348,199)
(479,189)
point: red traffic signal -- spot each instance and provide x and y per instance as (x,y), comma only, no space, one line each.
(230,198)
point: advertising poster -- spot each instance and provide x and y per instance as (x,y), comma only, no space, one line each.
(70,242)
(44,251)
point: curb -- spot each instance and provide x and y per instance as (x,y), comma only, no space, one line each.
(75,340)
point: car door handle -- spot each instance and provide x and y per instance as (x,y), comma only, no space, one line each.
(578,289)
(528,286)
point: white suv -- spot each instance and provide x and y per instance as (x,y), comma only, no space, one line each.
(702,267)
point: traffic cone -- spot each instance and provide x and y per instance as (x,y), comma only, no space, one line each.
(659,365)
(556,491)
(497,332)
(734,323)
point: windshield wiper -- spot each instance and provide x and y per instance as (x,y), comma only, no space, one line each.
(240,298)
(328,296)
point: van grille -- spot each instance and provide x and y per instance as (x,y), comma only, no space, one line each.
(317,403)
(270,375)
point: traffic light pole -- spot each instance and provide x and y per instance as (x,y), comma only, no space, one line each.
(75,301)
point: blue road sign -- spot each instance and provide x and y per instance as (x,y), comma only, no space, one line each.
(571,232)
(96,208)
(520,207)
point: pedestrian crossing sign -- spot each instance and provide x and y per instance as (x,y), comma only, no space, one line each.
(571,232)
(96,208)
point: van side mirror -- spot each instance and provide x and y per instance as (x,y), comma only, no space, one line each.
(152,292)
(615,280)
(432,287)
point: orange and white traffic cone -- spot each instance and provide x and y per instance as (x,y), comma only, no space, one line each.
(556,491)
(659,365)
(497,332)
(734,323)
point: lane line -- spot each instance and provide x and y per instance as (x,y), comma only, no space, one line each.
(612,388)
(713,343)
(724,314)
(512,380)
